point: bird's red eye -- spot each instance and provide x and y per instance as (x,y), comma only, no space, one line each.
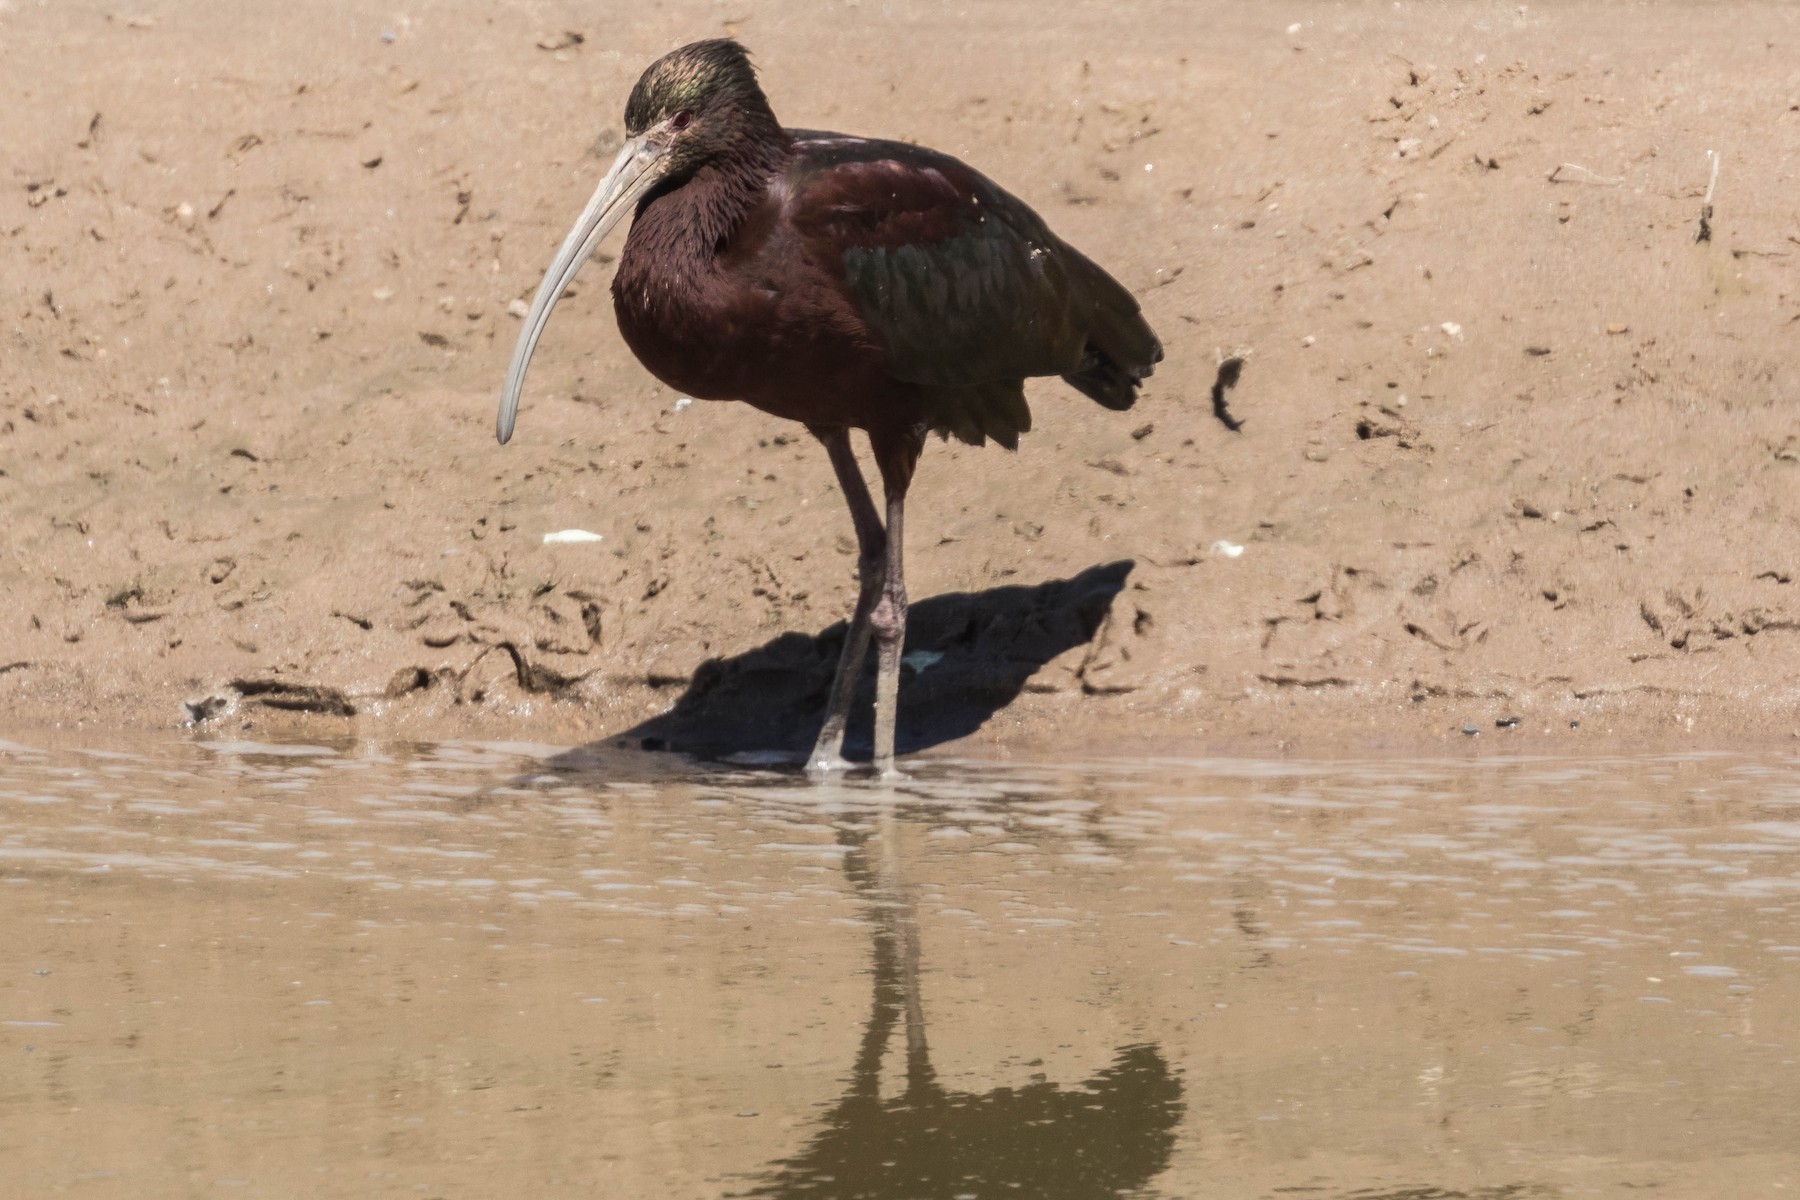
(681,120)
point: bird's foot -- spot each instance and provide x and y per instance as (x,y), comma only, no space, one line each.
(825,764)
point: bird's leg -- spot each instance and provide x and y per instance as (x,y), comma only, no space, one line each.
(888,619)
(871,541)
(896,456)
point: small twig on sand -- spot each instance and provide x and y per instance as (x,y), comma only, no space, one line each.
(1565,173)
(1229,371)
(1705,234)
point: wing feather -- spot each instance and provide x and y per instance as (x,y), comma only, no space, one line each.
(962,280)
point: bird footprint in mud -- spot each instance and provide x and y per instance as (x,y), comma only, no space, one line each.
(1124,655)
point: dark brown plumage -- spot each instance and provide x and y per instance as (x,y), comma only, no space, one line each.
(847,283)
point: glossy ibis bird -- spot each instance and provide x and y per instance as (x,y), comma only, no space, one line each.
(846,283)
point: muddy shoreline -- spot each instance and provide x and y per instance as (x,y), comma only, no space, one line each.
(1515,443)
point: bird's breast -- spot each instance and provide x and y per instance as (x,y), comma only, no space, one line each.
(689,336)
(759,321)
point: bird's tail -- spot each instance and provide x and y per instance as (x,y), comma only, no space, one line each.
(1121,349)
(981,411)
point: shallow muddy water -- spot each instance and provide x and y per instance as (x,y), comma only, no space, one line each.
(464,970)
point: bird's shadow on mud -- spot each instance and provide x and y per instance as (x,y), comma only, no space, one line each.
(967,656)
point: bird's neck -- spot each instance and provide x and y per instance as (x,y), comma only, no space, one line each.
(695,222)
(732,190)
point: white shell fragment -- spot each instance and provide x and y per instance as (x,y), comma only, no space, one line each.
(567,536)
(1227,549)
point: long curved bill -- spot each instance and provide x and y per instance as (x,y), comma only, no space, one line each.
(632,173)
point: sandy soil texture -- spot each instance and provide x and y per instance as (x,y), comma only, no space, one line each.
(1517,442)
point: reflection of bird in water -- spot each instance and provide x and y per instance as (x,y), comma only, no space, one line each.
(846,283)
(1110,1135)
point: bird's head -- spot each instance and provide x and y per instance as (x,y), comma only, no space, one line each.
(698,102)
(690,107)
